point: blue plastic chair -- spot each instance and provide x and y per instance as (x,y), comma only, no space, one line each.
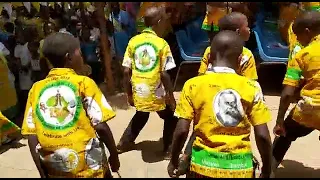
(267,41)
(121,42)
(196,34)
(189,51)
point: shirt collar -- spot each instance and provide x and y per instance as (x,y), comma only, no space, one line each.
(317,38)
(220,69)
(149,30)
(61,71)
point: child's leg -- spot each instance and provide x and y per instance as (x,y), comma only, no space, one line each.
(170,123)
(138,121)
(281,144)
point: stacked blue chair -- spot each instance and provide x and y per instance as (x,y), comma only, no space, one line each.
(271,48)
(196,34)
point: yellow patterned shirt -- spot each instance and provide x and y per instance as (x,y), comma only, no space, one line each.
(148,55)
(306,63)
(7,88)
(247,64)
(223,112)
(62,111)
(311,6)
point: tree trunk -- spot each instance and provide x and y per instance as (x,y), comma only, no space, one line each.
(105,48)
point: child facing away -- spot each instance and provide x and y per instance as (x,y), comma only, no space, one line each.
(63,107)
(223,115)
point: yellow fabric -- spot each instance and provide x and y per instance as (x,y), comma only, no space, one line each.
(16,4)
(308,5)
(36,5)
(8,130)
(306,64)
(209,111)
(287,16)
(62,111)
(213,15)
(9,96)
(247,64)
(146,54)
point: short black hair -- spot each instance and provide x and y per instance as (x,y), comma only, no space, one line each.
(57,45)
(152,16)
(228,44)
(309,19)
(9,27)
(231,21)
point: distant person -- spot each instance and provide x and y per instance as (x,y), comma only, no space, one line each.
(147,83)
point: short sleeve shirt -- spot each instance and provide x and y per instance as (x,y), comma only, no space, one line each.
(247,64)
(148,55)
(306,64)
(223,115)
(62,111)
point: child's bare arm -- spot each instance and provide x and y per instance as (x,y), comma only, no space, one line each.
(263,142)
(33,142)
(287,94)
(106,136)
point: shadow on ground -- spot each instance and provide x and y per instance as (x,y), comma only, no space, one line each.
(151,151)
(294,169)
(13,145)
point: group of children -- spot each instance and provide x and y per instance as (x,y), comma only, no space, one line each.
(66,113)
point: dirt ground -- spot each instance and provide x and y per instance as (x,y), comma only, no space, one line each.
(301,160)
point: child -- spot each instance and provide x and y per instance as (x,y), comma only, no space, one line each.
(66,117)
(230,104)
(33,48)
(89,51)
(238,22)
(146,62)
(304,118)
(215,11)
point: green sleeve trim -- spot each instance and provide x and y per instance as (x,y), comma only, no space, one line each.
(294,74)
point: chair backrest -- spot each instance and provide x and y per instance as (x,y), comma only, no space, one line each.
(184,42)
(268,39)
(121,42)
(194,31)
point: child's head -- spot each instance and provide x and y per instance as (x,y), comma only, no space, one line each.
(4,13)
(236,21)
(49,28)
(152,16)
(33,46)
(63,51)
(226,49)
(9,27)
(115,7)
(307,26)
(85,33)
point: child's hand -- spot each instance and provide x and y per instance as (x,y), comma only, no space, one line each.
(279,130)
(130,100)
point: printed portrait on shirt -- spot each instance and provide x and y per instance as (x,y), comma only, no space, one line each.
(228,108)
